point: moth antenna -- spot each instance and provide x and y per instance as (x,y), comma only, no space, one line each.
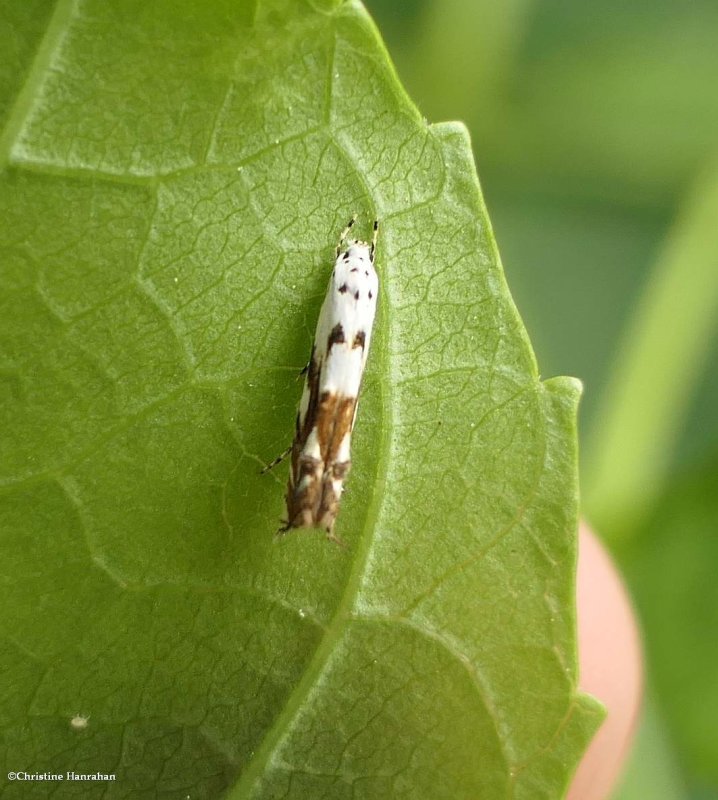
(345,233)
(373,240)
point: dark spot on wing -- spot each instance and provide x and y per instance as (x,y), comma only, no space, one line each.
(346,256)
(359,340)
(353,269)
(336,336)
(370,294)
(343,288)
(356,295)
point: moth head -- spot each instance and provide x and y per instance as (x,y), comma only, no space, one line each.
(359,250)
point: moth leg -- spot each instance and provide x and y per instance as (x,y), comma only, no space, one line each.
(373,240)
(345,233)
(277,460)
(332,537)
(303,371)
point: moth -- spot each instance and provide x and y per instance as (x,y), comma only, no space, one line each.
(321,450)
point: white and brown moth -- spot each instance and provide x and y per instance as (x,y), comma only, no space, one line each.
(320,452)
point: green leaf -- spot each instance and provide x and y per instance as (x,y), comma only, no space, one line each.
(175,178)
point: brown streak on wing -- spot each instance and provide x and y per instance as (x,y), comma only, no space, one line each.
(311,497)
(317,502)
(334,421)
(309,421)
(336,418)
(302,504)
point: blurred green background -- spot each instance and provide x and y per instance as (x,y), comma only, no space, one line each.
(595,131)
